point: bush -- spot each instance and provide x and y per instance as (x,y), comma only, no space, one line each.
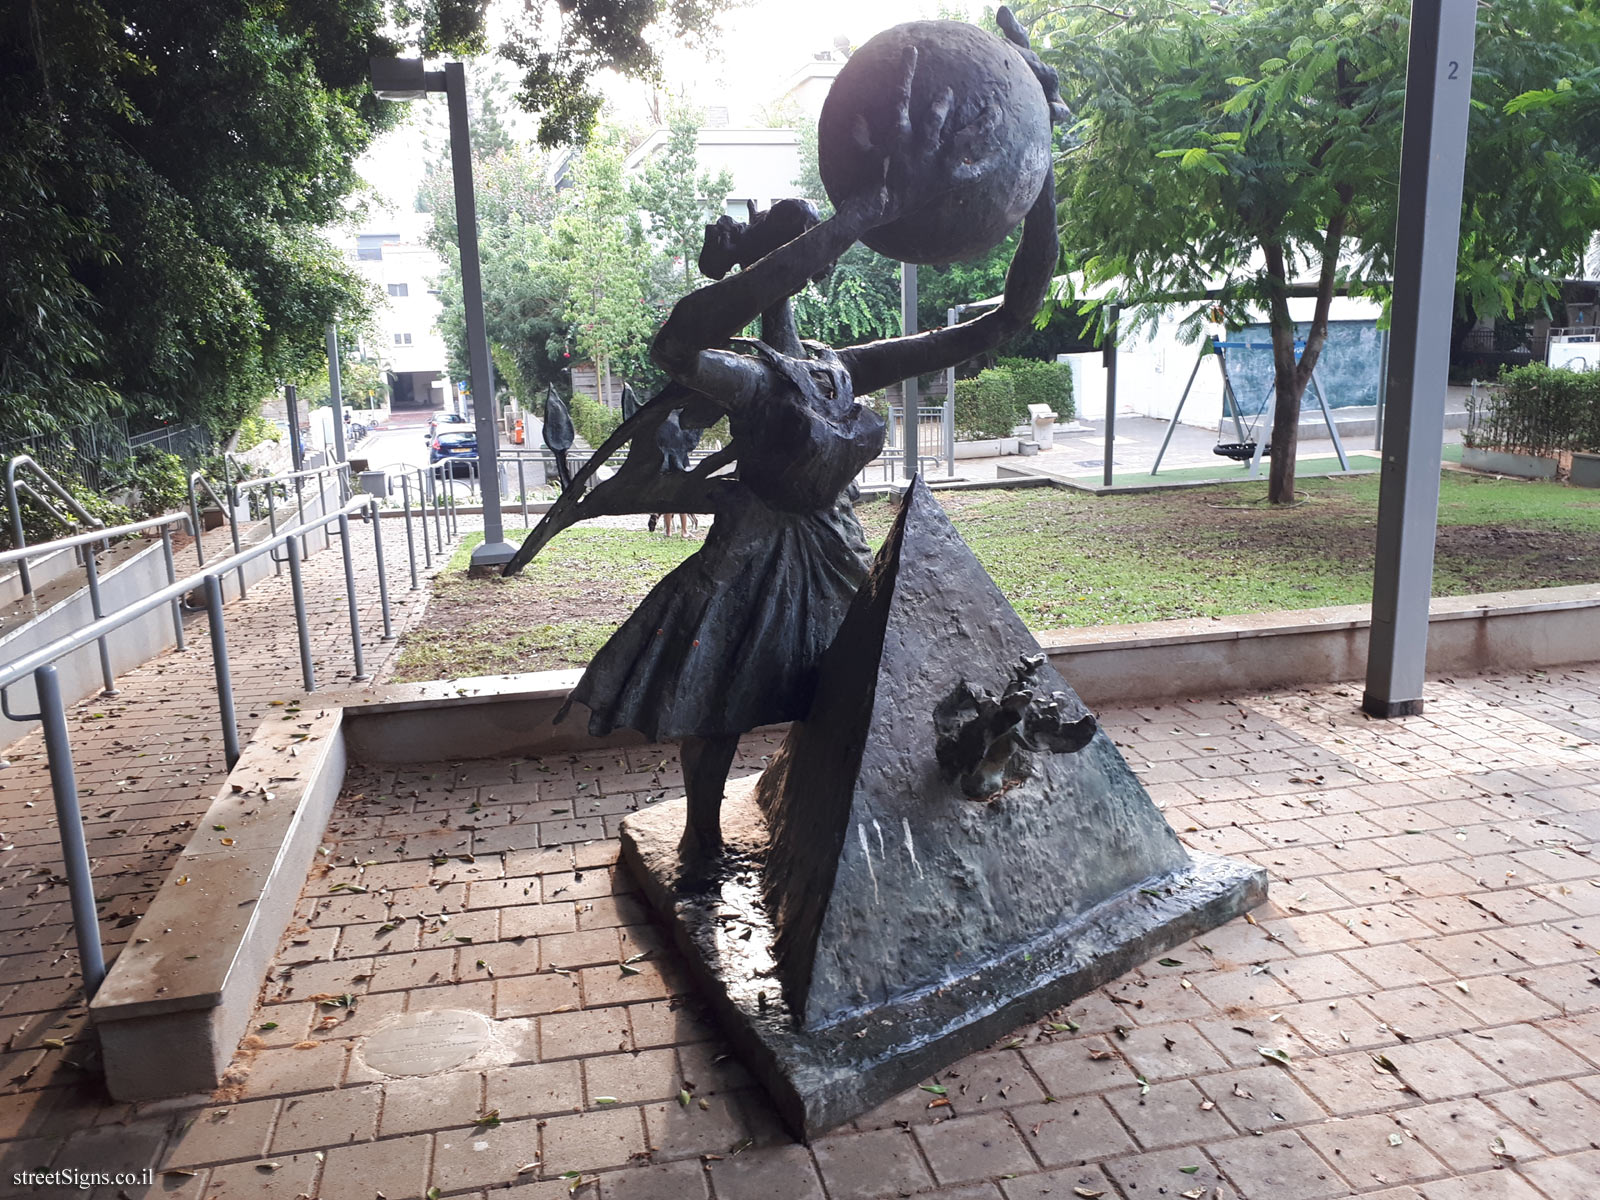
(160,481)
(593,420)
(254,430)
(39,526)
(1039,382)
(1539,410)
(986,407)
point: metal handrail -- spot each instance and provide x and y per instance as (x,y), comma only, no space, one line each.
(40,664)
(91,569)
(14,504)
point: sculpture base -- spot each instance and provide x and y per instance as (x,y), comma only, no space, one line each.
(820,1078)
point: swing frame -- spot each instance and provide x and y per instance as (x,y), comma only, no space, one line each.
(1231,408)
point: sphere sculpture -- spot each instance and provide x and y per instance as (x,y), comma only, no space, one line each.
(992,152)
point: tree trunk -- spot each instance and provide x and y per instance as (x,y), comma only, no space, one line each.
(1286,396)
(602,380)
(1291,377)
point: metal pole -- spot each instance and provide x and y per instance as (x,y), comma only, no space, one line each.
(495,549)
(908,388)
(92,569)
(411,542)
(952,316)
(350,599)
(195,526)
(297,450)
(1109,354)
(336,394)
(322,506)
(297,587)
(1177,412)
(233,531)
(219,664)
(1383,388)
(69,821)
(522,489)
(383,575)
(272,523)
(438,506)
(1433,151)
(172,577)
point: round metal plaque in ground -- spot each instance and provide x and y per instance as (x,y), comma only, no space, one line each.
(426,1042)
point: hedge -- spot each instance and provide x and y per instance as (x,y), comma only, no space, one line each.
(1539,410)
(1039,382)
(986,407)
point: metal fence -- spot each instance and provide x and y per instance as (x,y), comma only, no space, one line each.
(78,452)
(189,442)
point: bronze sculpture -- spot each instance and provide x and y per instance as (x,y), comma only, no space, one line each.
(729,641)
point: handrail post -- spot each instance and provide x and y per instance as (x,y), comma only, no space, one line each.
(69,823)
(194,517)
(522,488)
(92,570)
(272,526)
(300,517)
(233,528)
(383,573)
(350,599)
(219,664)
(434,487)
(18,538)
(172,577)
(297,588)
(411,541)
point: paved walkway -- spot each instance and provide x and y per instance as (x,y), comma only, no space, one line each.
(1426,962)
(149,762)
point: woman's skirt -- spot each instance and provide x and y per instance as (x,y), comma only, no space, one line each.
(730,640)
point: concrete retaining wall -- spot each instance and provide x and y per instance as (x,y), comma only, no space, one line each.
(1117,664)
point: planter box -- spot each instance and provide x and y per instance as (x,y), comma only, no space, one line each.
(987,448)
(1503,462)
(1585,469)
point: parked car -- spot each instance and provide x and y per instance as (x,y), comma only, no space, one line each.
(444,420)
(452,444)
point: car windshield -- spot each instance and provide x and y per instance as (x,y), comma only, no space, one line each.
(457,439)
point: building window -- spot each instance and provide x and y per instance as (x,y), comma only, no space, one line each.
(402,339)
(399,289)
(370,253)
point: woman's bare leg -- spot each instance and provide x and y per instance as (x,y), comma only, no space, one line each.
(705,774)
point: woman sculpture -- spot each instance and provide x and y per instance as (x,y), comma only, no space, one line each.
(730,640)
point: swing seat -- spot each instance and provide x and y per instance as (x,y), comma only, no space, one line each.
(1240,451)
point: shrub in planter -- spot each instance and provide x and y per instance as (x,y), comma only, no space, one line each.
(1039,382)
(986,407)
(1540,411)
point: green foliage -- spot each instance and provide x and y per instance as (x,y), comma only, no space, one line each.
(1038,382)
(254,430)
(677,198)
(39,526)
(358,382)
(1260,143)
(163,177)
(1539,410)
(561,49)
(593,420)
(154,483)
(986,407)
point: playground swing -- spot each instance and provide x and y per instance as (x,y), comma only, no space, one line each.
(1249,447)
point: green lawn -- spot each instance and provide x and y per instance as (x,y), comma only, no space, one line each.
(1062,558)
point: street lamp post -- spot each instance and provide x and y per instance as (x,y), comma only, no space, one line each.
(408,79)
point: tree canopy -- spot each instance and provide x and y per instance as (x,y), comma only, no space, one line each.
(1257,144)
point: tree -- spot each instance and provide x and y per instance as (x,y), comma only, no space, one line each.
(675,196)
(600,246)
(1259,145)
(163,174)
(524,292)
(561,48)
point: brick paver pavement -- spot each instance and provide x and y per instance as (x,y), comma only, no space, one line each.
(1427,962)
(149,762)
